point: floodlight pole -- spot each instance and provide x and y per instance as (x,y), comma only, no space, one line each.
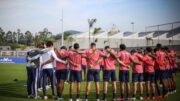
(62,38)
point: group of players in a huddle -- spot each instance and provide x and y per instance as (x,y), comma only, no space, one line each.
(154,68)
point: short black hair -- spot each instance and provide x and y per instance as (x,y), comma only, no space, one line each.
(158,46)
(49,43)
(70,47)
(133,51)
(166,48)
(63,47)
(76,46)
(148,49)
(93,44)
(122,46)
(106,47)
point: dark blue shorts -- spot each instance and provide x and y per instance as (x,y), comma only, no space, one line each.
(157,75)
(83,67)
(149,77)
(109,74)
(163,74)
(124,76)
(174,70)
(93,75)
(75,76)
(61,74)
(137,77)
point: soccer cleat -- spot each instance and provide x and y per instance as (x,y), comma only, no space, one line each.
(37,97)
(97,99)
(147,97)
(60,99)
(141,98)
(45,97)
(133,98)
(85,99)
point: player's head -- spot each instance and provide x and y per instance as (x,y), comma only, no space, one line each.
(76,46)
(70,47)
(49,44)
(159,46)
(107,48)
(166,48)
(93,45)
(63,47)
(133,51)
(148,49)
(122,46)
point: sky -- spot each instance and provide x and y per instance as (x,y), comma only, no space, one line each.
(35,15)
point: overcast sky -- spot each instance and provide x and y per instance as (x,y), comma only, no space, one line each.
(34,15)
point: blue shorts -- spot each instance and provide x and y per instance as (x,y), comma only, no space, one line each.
(149,77)
(61,74)
(174,70)
(124,75)
(83,67)
(93,75)
(157,74)
(137,77)
(75,76)
(163,74)
(109,74)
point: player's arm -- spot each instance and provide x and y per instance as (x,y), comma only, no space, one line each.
(72,63)
(98,61)
(33,58)
(56,58)
(48,61)
(135,62)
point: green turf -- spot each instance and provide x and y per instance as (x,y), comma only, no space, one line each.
(11,90)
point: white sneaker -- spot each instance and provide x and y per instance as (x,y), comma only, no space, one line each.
(70,100)
(59,98)
(37,97)
(77,99)
(133,98)
(85,99)
(141,98)
(97,99)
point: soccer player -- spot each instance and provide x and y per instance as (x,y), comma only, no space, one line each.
(33,71)
(149,74)
(137,74)
(161,71)
(173,66)
(126,58)
(92,56)
(61,71)
(110,72)
(47,68)
(75,60)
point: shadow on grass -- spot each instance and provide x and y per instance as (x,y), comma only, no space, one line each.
(14,89)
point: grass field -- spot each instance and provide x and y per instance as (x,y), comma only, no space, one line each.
(11,90)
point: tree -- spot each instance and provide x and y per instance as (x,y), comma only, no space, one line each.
(96,30)
(29,38)
(70,40)
(2,36)
(9,37)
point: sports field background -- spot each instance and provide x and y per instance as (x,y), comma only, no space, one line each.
(15,90)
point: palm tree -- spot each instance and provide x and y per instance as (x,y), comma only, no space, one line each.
(91,23)
(96,30)
(2,36)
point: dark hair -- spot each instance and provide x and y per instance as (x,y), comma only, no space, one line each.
(63,47)
(122,46)
(106,47)
(40,45)
(158,46)
(49,43)
(93,44)
(166,48)
(70,47)
(133,51)
(148,49)
(76,46)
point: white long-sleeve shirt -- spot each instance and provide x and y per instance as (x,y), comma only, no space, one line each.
(47,56)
